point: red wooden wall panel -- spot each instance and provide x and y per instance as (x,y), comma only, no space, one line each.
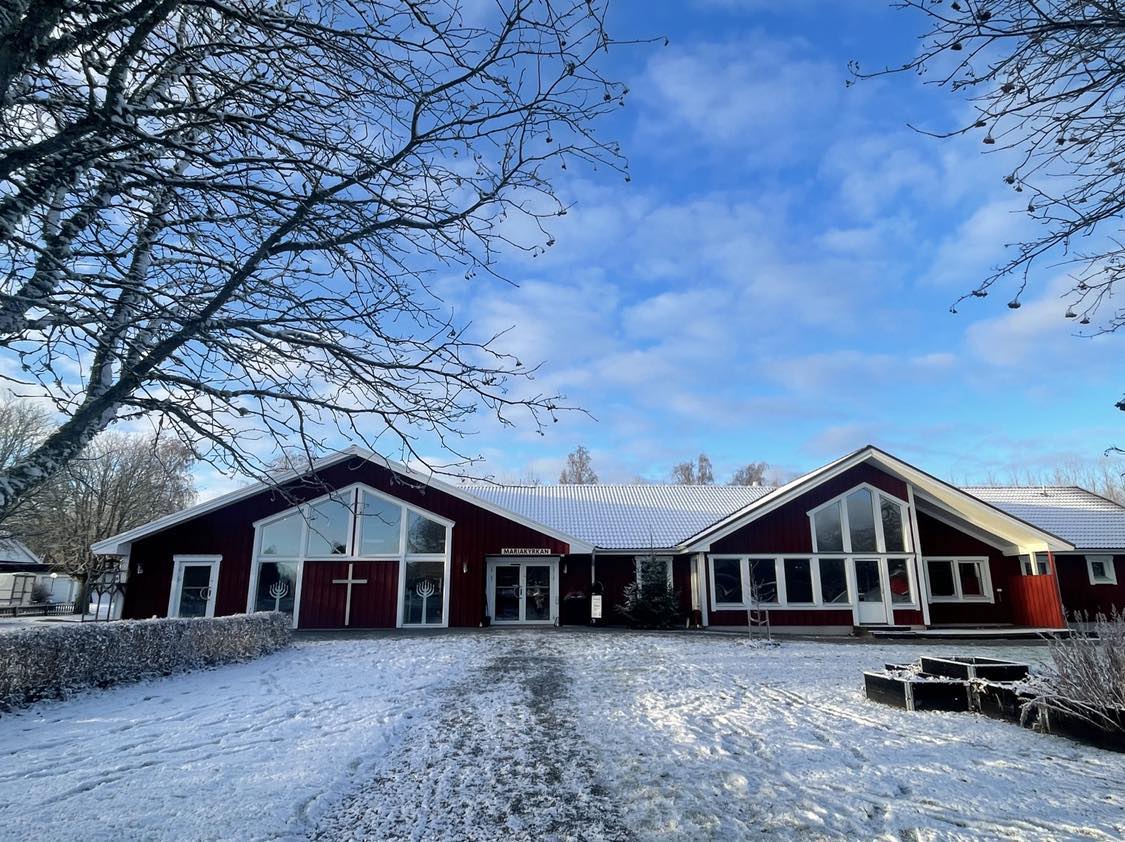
(787,530)
(229,532)
(941,539)
(1081,597)
(374,603)
(1034,600)
(614,572)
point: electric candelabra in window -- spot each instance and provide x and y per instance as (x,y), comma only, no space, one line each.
(278,590)
(425,589)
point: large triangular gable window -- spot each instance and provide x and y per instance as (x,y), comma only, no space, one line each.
(863,520)
(355,523)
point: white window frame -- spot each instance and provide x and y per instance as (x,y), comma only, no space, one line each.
(845,526)
(355,491)
(783,601)
(743,571)
(1111,570)
(179,562)
(988,596)
(1032,565)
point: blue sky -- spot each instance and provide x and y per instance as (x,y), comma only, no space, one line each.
(774,284)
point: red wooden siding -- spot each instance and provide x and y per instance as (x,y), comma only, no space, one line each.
(1035,600)
(941,539)
(787,530)
(374,604)
(229,532)
(574,590)
(1079,596)
(614,572)
(908,617)
(681,581)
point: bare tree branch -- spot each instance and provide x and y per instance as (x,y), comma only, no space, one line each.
(228,214)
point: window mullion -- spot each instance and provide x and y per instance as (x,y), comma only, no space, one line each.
(779,575)
(845,525)
(877,515)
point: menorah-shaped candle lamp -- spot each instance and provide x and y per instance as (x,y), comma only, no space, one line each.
(279,590)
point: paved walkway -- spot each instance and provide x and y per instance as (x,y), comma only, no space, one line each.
(503,761)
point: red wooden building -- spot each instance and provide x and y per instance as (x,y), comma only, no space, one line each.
(867,541)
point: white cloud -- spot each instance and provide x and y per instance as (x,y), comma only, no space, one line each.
(977,246)
(759,95)
(852,371)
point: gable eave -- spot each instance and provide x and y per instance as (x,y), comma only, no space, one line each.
(1008,524)
(120,544)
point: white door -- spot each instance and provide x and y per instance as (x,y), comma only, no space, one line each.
(194,583)
(871,591)
(523,591)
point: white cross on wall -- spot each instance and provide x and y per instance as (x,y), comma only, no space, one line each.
(348,601)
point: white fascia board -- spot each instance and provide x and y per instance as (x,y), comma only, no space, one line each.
(977,512)
(933,508)
(701,541)
(119,544)
(986,516)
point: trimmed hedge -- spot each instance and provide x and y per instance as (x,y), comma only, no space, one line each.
(52,661)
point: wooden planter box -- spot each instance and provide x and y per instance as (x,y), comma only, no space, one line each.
(1000,701)
(914,692)
(982,685)
(967,668)
(1078,727)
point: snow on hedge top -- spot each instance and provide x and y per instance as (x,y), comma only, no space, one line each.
(1081,517)
(624,517)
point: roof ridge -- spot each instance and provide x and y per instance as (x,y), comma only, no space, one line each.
(613,485)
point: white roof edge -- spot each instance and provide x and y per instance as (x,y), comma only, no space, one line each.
(118,544)
(783,494)
(767,502)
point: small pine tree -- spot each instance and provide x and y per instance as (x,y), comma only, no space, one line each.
(651,602)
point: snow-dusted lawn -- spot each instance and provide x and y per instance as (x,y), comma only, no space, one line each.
(524,734)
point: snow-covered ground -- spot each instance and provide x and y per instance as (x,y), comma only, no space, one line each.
(543,734)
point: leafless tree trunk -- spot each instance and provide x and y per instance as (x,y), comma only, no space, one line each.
(228,216)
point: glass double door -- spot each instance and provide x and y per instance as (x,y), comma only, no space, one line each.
(523,592)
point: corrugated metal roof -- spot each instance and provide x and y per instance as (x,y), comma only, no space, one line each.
(1074,514)
(619,517)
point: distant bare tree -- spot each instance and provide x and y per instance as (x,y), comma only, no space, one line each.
(753,473)
(119,481)
(23,425)
(579,470)
(1102,477)
(228,214)
(1047,81)
(694,473)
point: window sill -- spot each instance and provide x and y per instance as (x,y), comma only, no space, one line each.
(979,600)
(774,606)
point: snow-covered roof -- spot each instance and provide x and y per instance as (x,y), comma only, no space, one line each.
(16,552)
(620,517)
(1083,518)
